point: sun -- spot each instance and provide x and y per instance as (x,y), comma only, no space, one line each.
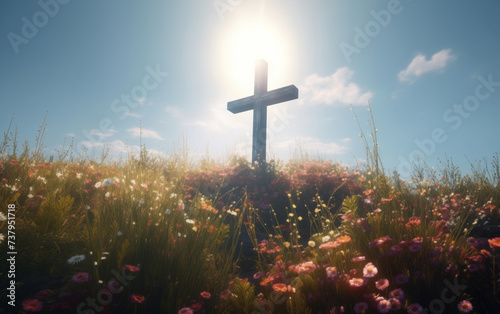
(246,44)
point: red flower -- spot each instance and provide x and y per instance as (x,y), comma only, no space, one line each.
(81,277)
(494,243)
(32,305)
(205,295)
(137,298)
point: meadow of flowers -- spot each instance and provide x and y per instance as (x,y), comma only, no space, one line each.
(164,235)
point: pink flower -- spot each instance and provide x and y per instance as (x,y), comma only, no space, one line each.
(395,304)
(465,306)
(382,284)
(384,306)
(32,305)
(358,259)
(331,271)
(360,307)
(369,271)
(137,298)
(225,294)
(81,277)
(401,279)
(131,268)
(305,267)
(329,245)
(414,308)
(398,294)
(356,282)
(185,310)
(205,295)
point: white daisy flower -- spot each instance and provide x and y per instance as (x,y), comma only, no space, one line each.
(98,185)
(76,259)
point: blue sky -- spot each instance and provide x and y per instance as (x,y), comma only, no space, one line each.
(430,70)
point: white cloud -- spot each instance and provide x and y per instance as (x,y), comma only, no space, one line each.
(336,89)
(313,145)
(102,135)
(220,120)
(136,132)
(419,65)
(345,140)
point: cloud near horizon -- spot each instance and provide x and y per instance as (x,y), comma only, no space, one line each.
(335,89)
(419,65)
(136,132)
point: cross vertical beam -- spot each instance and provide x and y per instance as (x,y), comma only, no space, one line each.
(258,103)
(259,113)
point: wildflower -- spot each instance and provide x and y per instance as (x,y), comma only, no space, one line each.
(465,306)
(369,271)
(98,185)
(358,259)
(2,217)
(401,279)
(137,298)
(325,239)
(305,267)
(225,294)
(382,284)
(281,287)
(107,182)
(413,222)
(472,241)
(81,277)
(190,221)
(180,206)
(360,307)
(119,233)
(311,243)
(107,194)
(397,294)
(257,275)
(344,239)
(131,268)
(114,286)
(395,304)
(76,259)
(384,306)
(167,212)
(331,271)
(415,247)
(196,306)
(494,243)
(414,308)
(356,282)
(185,310)
(32,305)
(329,245)
(205,295)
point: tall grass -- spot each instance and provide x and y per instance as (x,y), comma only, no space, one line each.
(170,234)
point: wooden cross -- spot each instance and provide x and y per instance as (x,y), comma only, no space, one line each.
(259,102)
